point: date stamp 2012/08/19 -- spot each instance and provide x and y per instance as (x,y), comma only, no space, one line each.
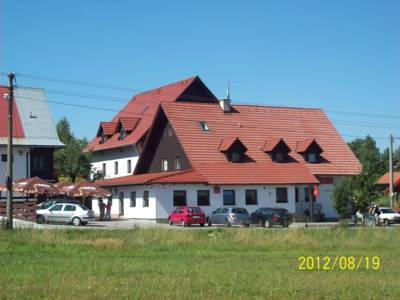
(342,263)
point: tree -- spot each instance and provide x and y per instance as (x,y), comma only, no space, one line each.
(71,161)
(368,154)
(342,195)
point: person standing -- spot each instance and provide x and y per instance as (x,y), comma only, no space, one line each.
(108,213)
(102,208)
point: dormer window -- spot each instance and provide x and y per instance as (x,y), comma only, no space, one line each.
(233,149)
(279,157)
(312,158)
(122,135)
(310,150)
(277,149)
(235,157)
(103,139)
(204,126)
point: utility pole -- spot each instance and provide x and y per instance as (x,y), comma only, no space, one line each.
(9,177)
(391,194)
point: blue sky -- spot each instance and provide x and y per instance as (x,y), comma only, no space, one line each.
(337,55)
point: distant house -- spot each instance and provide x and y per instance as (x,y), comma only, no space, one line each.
(384,181)
(198,150)
(34,134)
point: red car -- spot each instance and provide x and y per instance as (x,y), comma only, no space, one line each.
(187,215)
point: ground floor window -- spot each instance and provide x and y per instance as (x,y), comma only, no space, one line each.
(251,197)
(146,199)
(203,197)
(229,197)
(281,195)
(179,198)
(296,195)
(133,199)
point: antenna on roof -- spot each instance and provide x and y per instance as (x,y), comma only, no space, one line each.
(228,91)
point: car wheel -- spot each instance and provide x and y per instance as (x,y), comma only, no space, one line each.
(227,223)
(170,221)
(183,223)
(202,224)
(76,221)
(267,223)
(209,223)
(386,222)
(40,219)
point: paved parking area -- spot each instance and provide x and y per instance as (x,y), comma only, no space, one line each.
(133,223)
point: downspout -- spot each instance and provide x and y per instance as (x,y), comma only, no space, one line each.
(28,164)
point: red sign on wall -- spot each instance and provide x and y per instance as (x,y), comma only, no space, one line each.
(316,191)
(217,189)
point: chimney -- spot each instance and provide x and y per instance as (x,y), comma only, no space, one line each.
(225,103)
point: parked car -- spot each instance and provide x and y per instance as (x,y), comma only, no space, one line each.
(187,215)
(268,217)
(388,216)
(76,214)
(229,216)
(50,203)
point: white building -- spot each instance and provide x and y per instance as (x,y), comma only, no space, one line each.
(201,151)
(34,134)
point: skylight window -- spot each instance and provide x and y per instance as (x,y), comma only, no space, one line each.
(204,126)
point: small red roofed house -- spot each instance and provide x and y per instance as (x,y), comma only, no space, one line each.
(196,150)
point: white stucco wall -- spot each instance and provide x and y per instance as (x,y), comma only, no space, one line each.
(19,163)
(109,157)
(161,199)
(266,196)
(137,212)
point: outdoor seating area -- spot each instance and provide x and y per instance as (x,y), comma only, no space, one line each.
(36,190)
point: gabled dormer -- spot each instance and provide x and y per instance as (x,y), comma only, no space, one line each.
(234,149)
(310,150)
(126,125)
(106,130)
(277,149)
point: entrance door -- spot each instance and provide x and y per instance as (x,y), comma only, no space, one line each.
(121,203)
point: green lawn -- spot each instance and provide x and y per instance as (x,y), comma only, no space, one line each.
(201,264)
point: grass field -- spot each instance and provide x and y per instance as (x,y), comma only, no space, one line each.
(202,264)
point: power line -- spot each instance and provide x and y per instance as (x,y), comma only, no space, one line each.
(149,115)
(77,82)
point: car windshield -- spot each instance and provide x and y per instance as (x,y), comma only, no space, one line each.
(387,211)
(193,209)
(239,211)
(46,205)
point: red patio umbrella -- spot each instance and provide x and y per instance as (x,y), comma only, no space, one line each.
(88,189)
(35,185)
(64,187)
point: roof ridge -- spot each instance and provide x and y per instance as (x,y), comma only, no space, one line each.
(166,86)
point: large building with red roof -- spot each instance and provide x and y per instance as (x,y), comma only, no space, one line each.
(188,147)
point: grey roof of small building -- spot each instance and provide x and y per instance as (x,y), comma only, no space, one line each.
(36,119)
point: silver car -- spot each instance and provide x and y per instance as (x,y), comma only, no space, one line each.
(228,216)
(76,214)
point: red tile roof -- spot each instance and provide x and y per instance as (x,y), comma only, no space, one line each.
(18,131)
(143,106)
(109,128)
(254,125)
(270,144)
(385,179)
(129,123)
(302,146)
(188,176)
(226,144)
